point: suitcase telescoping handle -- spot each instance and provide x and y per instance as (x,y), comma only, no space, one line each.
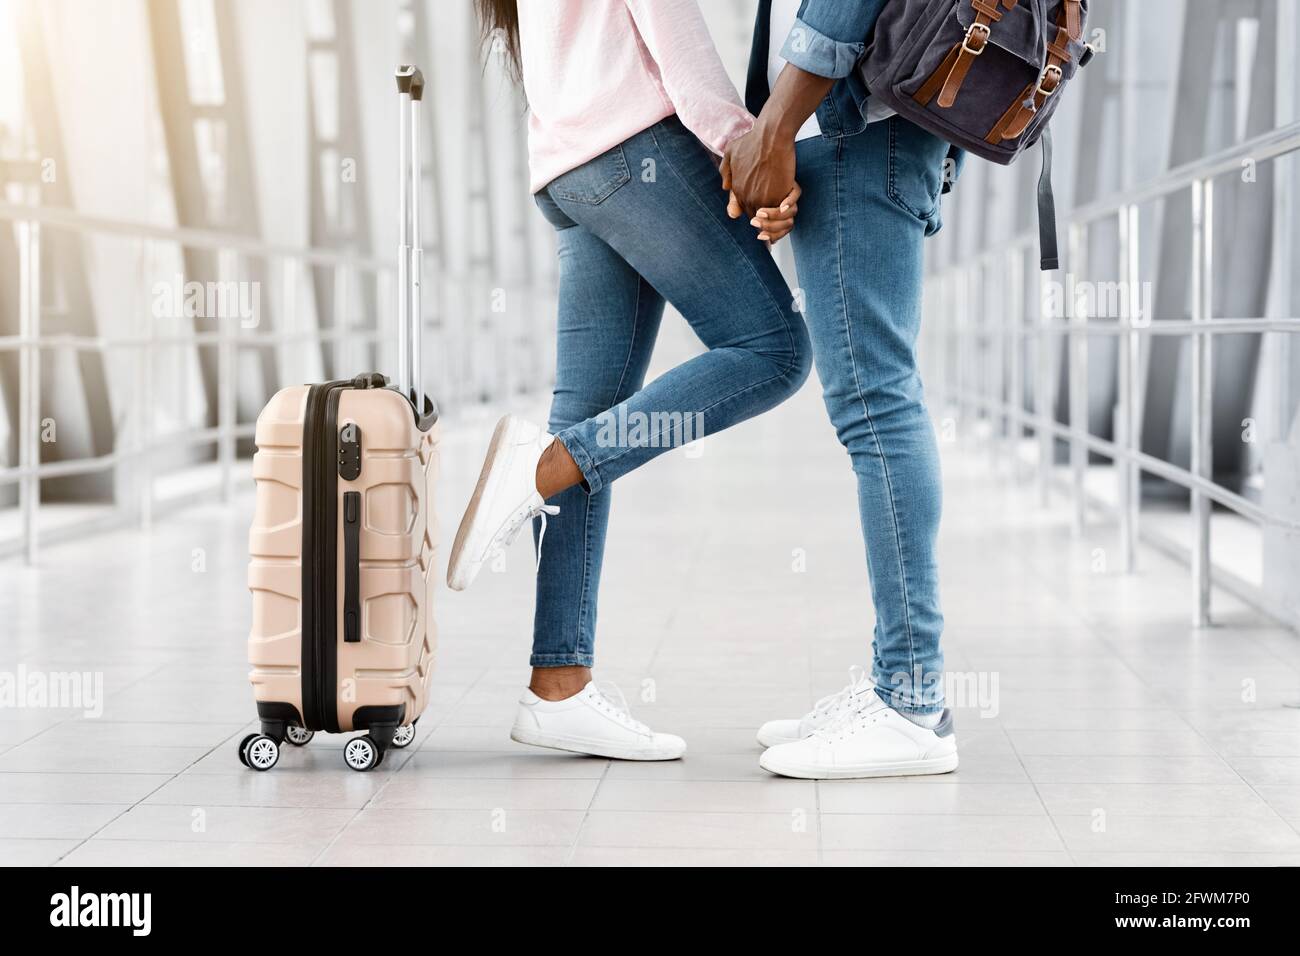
(410,254)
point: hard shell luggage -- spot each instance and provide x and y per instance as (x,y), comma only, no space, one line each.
(343,538)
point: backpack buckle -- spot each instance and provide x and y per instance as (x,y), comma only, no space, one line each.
(1053,75)
(980,30)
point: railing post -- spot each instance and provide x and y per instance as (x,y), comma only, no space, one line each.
(1202,451)
(1123,407)
(941,342)
(1015,318)
(1134,346)
(229,272)
(342,327)
(1076,267)
(961,358)
(979,347)
(995,364)
(29,385)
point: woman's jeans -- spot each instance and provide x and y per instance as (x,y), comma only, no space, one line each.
(643,223)
(869,200)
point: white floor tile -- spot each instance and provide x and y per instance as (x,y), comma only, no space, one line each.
(903,796)
(935,832)
(200,823)
(711,796)
(401,854)
(33,852)
(56,821)
(1171,834)
(487,826)
(795,830)
(115,853)
(428,792)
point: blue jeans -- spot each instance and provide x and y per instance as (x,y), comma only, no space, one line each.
(869,200)
(639,225)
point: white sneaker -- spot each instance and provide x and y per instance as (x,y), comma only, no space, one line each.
(505,499)
(593,721)
(828,708)
(873,740)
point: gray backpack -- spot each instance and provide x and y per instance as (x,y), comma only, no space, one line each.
(985,75)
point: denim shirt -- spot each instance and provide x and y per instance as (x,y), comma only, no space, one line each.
(828,39)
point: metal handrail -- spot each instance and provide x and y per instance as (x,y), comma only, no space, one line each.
(137,454)
(1270,145)
(1157,466)
(1237,326)
(1076,329)
(102,343)
(64,218)
(30,470)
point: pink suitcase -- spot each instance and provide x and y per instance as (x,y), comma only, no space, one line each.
(343,538)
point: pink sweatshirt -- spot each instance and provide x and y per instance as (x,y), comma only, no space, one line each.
(597,72)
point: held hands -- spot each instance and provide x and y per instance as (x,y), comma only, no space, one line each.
(772,222)
(758,173)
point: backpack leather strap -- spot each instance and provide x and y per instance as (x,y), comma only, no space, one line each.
(926,93)
(1074,19)
(972,45)
(1048,256)
(1034,97)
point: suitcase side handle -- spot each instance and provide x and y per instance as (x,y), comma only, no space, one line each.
(352,567)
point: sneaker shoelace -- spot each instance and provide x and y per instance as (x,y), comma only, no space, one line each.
(617,703)
(832,704)
(526,513)
(856,707)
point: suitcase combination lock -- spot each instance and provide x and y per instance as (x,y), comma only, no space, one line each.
(350,451)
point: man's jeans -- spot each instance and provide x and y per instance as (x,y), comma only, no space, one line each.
(869,200)
(641,223)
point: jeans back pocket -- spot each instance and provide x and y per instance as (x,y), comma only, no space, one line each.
(594,181)
(917,161)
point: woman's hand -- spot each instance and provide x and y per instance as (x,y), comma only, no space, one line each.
(772,222)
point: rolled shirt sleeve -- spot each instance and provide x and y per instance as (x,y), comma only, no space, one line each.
(693,76)
(830,36)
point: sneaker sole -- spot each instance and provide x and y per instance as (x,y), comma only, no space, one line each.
(461,569)
(906,768)
(773,740)
(592,748)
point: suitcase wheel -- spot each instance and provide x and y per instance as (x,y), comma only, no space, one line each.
(259,752)
(405,734)
(298,736)
(360,753)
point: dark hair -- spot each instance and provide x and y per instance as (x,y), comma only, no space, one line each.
(499,21)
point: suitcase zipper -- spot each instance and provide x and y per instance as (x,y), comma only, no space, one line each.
(319,509)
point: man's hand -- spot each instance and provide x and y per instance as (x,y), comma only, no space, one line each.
(758,168)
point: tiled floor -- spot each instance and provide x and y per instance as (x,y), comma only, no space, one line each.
(735,591)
